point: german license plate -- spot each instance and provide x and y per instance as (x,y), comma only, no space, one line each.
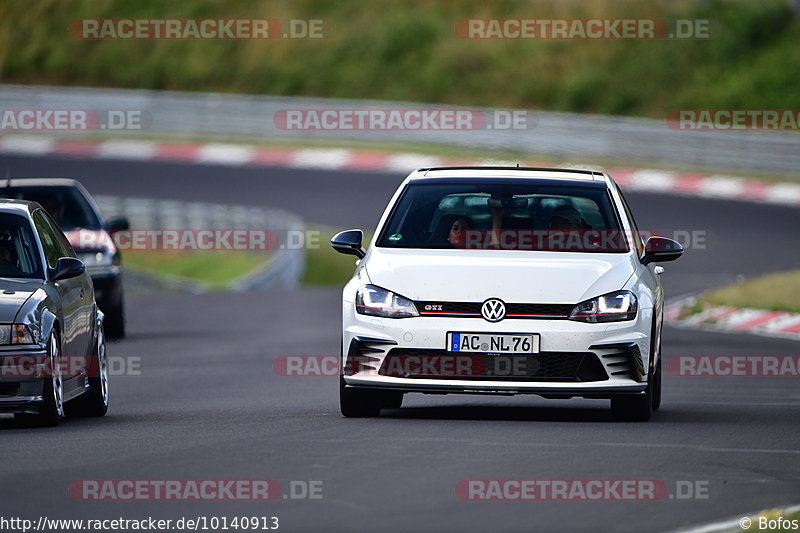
(493,343)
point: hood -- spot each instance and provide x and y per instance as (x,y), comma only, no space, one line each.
(90,240)
(512,276)
(10,303)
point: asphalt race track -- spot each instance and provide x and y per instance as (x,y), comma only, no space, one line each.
(209,405)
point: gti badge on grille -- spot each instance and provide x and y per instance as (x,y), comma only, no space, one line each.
(493,310)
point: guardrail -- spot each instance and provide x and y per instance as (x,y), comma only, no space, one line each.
(233,116)
(283,266)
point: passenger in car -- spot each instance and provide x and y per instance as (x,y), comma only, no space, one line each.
(458,231)
(443,231)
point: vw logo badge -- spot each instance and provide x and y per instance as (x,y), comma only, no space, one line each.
(493,310)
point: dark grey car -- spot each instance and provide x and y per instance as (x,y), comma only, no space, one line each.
(76,213)
(52,347)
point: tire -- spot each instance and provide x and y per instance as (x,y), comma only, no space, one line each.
(655,371)
(657,384)
(640,407)
(634,407)
(52,409)
(114,322)
(359,403)
(94,402)
(393,400)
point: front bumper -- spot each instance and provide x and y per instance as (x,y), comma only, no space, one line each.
(22,375)
(617,354)
(107,283)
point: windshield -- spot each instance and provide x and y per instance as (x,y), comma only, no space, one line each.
(505,214)
(19,257)
(65,204)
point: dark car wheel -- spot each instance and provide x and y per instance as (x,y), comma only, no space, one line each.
(639,408)
(95,401)
(657,385)
(52,408)
(655,353)
(114,322)
(634,407)
(393,400)
(365,403)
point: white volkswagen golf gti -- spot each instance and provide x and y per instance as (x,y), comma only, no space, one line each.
(494,280)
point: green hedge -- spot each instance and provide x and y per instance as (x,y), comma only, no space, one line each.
(410,51)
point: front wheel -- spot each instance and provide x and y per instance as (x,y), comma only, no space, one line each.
(115,318)
(633,407)
(360,403)
(52,408)
(657,385)
(95,401)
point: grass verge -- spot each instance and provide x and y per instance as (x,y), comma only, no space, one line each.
(324,266)
(213,269)
(774,292)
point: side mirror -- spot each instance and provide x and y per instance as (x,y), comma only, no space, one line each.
(349,242)
(660,249)
(67,267)
(117,224)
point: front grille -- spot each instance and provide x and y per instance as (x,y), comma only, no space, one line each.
(441,364)
(538,310)
(9,389)
(513,310)
(448,308)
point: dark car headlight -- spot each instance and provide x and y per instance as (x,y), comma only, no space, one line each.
(375,301)
(612,307)
(98,259)
(15,334)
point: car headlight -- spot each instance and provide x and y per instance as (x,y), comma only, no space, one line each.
(96,259)
(15,334)
(375,301)
(613,307)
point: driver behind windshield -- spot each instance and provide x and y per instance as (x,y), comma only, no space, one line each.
(564,218)
(8,256)
(54,205)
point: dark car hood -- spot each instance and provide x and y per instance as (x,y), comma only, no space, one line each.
(10,303)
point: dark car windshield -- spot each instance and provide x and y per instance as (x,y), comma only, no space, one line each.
(67,205)
(505,214)
(19,256)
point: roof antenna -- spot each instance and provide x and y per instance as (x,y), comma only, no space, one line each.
(517,164)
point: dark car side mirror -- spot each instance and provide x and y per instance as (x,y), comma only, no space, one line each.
(117,224)
(349,242)
(67,267)
(660,249)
